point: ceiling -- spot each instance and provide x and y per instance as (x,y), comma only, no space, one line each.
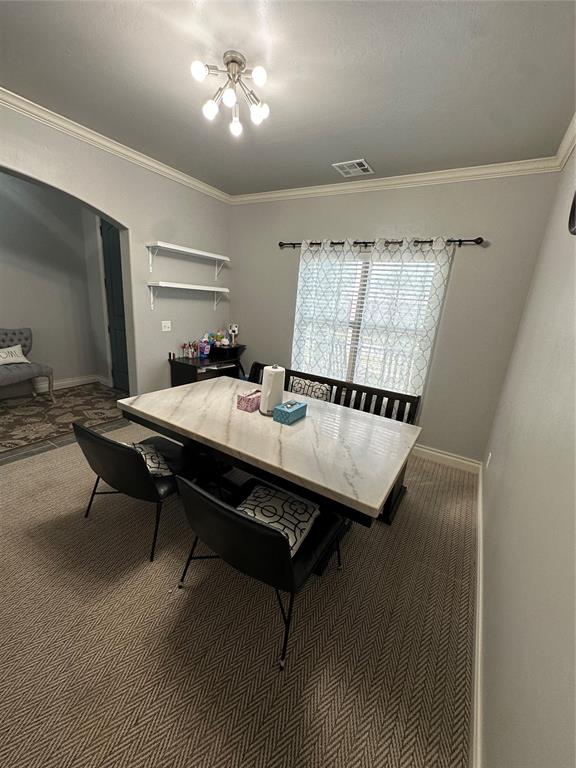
(410,86)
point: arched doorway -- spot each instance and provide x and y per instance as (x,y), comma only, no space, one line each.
(107,263)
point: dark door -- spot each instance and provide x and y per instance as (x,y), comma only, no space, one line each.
(115,304)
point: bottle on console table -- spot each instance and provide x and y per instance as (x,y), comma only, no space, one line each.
(222,361)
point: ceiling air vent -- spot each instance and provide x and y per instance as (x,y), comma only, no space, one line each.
(353,168)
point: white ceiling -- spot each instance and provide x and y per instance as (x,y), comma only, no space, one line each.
(410,86)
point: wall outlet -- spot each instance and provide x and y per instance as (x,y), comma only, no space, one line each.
(166,325)
(488,458)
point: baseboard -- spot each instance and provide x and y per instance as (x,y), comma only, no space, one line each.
(451,459)
(476,740)
(106,381)
(41,385)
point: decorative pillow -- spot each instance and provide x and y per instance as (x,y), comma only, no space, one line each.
(310,388)
(155,462)
(14,354)
(291,515)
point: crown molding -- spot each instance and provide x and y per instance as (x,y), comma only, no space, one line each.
(494,171)
(567,144)
(60,123)
(475,173)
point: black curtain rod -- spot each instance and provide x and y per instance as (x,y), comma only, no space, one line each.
(459,241)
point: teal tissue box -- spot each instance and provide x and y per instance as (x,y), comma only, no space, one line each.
(289,412)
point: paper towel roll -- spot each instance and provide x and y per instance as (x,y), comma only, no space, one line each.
(272,388)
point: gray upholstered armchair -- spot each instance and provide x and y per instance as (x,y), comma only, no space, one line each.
(14,373)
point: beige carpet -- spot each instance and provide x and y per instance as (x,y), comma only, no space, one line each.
(103,663)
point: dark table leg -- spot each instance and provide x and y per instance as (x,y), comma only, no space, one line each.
(192,449)
(323,562)
(394,498)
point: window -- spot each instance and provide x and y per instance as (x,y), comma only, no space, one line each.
(370,316)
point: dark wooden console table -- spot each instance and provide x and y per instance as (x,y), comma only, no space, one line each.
(224,362)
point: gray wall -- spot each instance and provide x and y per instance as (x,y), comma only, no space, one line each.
(150,207)
(43,276)
(529,496)
(484,299)
(483,303)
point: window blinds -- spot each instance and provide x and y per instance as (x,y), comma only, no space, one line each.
(370,315)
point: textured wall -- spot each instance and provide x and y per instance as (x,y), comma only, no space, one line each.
(484,299)
(529,496)
(150,207)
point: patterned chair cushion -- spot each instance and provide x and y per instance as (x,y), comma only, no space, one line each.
(291,515)
(310,388)
(155,461)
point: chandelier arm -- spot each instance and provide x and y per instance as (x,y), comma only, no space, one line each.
(244,90)
(249,94)
(246,98)
(218,95)
(228,84)
(214,70)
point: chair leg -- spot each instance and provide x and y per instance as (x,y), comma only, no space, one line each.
(287,622)
(338,555)
(51,386)
(185,571)
(92,496)
(157,525)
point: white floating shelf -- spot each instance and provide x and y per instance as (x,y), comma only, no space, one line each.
(189,287)
(183,250)
(216,290)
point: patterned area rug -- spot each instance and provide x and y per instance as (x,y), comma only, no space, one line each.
(28,420)
(105,664)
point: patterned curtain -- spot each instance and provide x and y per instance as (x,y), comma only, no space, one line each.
(370,315)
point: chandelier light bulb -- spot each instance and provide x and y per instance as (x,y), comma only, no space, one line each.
(265,109)
(199,71)
(256,114)
(236,127)
(259,75)
(210,109)
(229,97)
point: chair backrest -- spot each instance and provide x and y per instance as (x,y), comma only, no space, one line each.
(254,548)
(9,337)
(382,402)
(256,371)
(121,466)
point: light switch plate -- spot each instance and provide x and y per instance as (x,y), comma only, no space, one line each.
(166,325)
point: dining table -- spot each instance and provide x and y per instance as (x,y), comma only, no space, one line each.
(336,456)
(344,459)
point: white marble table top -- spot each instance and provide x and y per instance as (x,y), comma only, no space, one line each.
(346,455)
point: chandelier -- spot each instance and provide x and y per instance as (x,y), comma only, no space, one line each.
(229,92)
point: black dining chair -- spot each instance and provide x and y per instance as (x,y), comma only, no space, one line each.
(124,469)
(255,548)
